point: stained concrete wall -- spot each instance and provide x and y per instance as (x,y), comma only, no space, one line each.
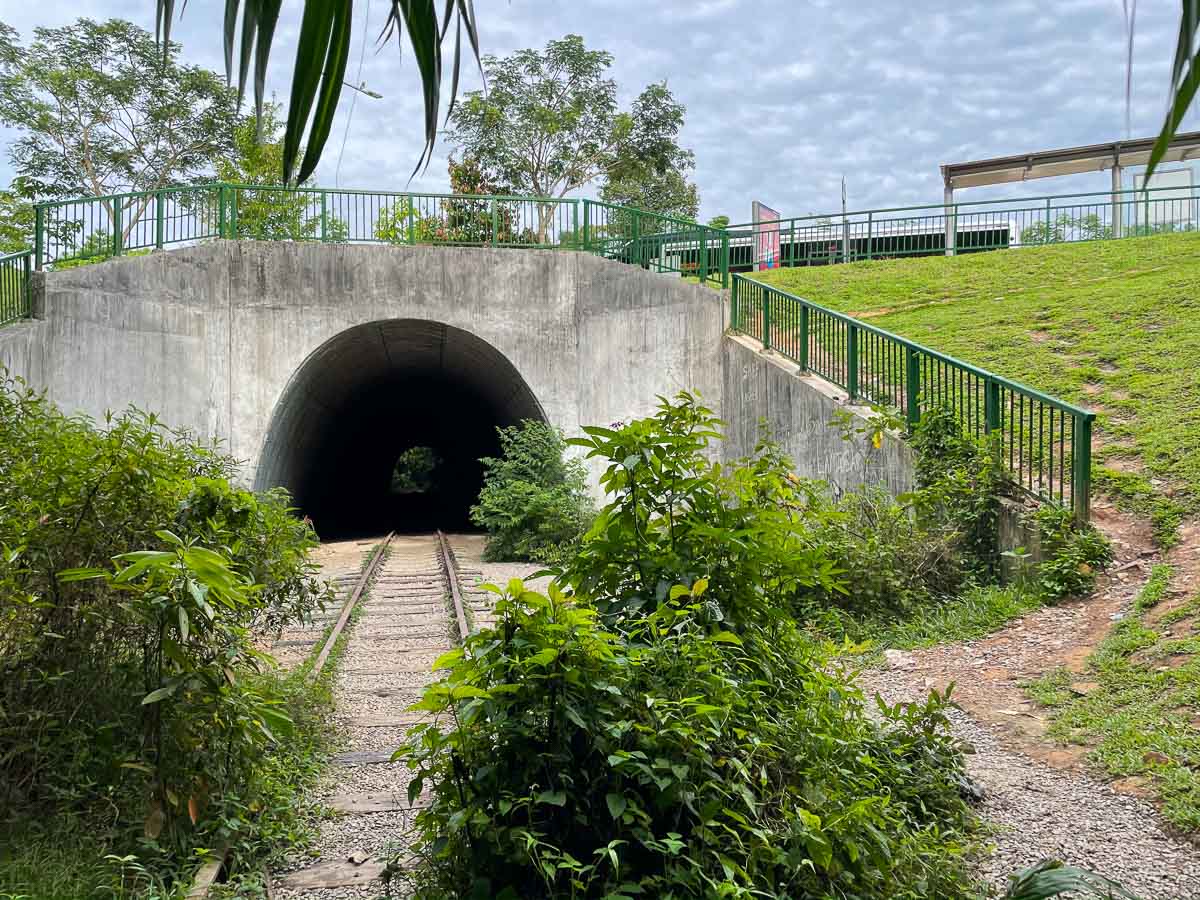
(209,337)
(767,388)
(22,351)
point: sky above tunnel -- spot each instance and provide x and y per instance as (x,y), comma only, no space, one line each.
(783,98)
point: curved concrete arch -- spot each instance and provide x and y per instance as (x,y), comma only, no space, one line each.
(374,390)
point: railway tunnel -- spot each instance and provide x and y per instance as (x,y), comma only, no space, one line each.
(409,391)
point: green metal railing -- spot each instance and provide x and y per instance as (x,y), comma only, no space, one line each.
(14,286)
(74,231)
(969,227)
(1044,443)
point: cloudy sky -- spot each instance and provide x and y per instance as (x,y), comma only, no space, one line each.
(783,98)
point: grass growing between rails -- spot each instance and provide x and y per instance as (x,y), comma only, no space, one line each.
(1137,707)
(1111,325)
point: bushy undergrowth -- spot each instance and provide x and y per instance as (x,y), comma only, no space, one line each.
(664,729)
(133,581)
(534,504)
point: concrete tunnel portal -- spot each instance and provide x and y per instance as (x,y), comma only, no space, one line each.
(385,392)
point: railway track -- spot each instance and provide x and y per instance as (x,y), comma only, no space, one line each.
(416,603)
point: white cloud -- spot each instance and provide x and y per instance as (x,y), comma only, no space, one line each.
(783,96)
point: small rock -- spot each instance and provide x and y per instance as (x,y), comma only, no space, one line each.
(1117,616)
(897,659)
(1155,758)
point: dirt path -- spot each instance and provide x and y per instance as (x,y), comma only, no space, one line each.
(1039,794)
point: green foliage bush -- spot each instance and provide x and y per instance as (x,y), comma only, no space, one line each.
(667,730)
(534,499)
(1072,555)
(133,583)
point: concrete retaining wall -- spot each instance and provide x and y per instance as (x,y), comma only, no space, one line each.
(766,388)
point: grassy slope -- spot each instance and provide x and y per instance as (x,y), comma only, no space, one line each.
(1112,325)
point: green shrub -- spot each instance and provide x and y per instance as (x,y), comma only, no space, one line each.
(534,499)
(668,731)
(1072,555)
(134,582)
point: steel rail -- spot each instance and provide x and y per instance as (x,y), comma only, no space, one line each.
(450,570)
(351,601)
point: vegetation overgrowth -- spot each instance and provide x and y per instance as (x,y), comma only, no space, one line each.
(1110,325)
(534,503)
(139,723)
(667,719)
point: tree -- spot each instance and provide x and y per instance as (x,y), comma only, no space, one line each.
(718,222)
(278,214)
(16,223)
(549,124)
(102,110)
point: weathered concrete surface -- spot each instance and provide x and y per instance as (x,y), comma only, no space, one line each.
(22,351)
(210,337)
(797,410)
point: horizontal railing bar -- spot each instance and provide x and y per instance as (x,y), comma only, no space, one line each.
(837,218)
(1030,392)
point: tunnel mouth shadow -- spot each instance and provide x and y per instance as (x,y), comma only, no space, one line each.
(375,391)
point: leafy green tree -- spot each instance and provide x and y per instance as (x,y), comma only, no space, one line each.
(718,222)
(102,110)
(534,499)
(280,214)
(16,222)
(549,124)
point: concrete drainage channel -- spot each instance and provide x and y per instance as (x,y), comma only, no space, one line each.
(414,612)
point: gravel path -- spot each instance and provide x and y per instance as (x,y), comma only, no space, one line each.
(1041,812)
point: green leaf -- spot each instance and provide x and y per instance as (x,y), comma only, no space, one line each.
(161,694)
(616,805)
(447,659)
(727,637)
(184,624)
(554,798)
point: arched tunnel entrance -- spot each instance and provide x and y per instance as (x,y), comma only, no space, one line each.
(421,393)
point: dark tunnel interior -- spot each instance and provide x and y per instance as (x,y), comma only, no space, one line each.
(372,393)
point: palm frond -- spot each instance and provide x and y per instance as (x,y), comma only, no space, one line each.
(1185,79)
(321,56)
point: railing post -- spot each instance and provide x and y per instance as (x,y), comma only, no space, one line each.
(636,250)
(587,225)
(117,227)
(1048,225)
(39,236)
(160,219)
(702,259)
(324,216)
(26,266)
(233,213)
(1081,467)
(870,224)
(803,337)
(733,307)
(412,220)
(766,316)
(792,241)
(991,418)
(495,222)
(575,223)
(724,259)
(912,387)
(222,199)
(852,361)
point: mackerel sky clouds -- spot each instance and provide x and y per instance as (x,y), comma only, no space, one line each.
(783,98)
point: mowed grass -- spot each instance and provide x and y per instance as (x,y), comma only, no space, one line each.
(1111,325)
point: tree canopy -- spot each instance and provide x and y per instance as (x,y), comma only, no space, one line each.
(102,110)
(549,123)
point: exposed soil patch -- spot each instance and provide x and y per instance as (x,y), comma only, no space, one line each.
(988,674)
